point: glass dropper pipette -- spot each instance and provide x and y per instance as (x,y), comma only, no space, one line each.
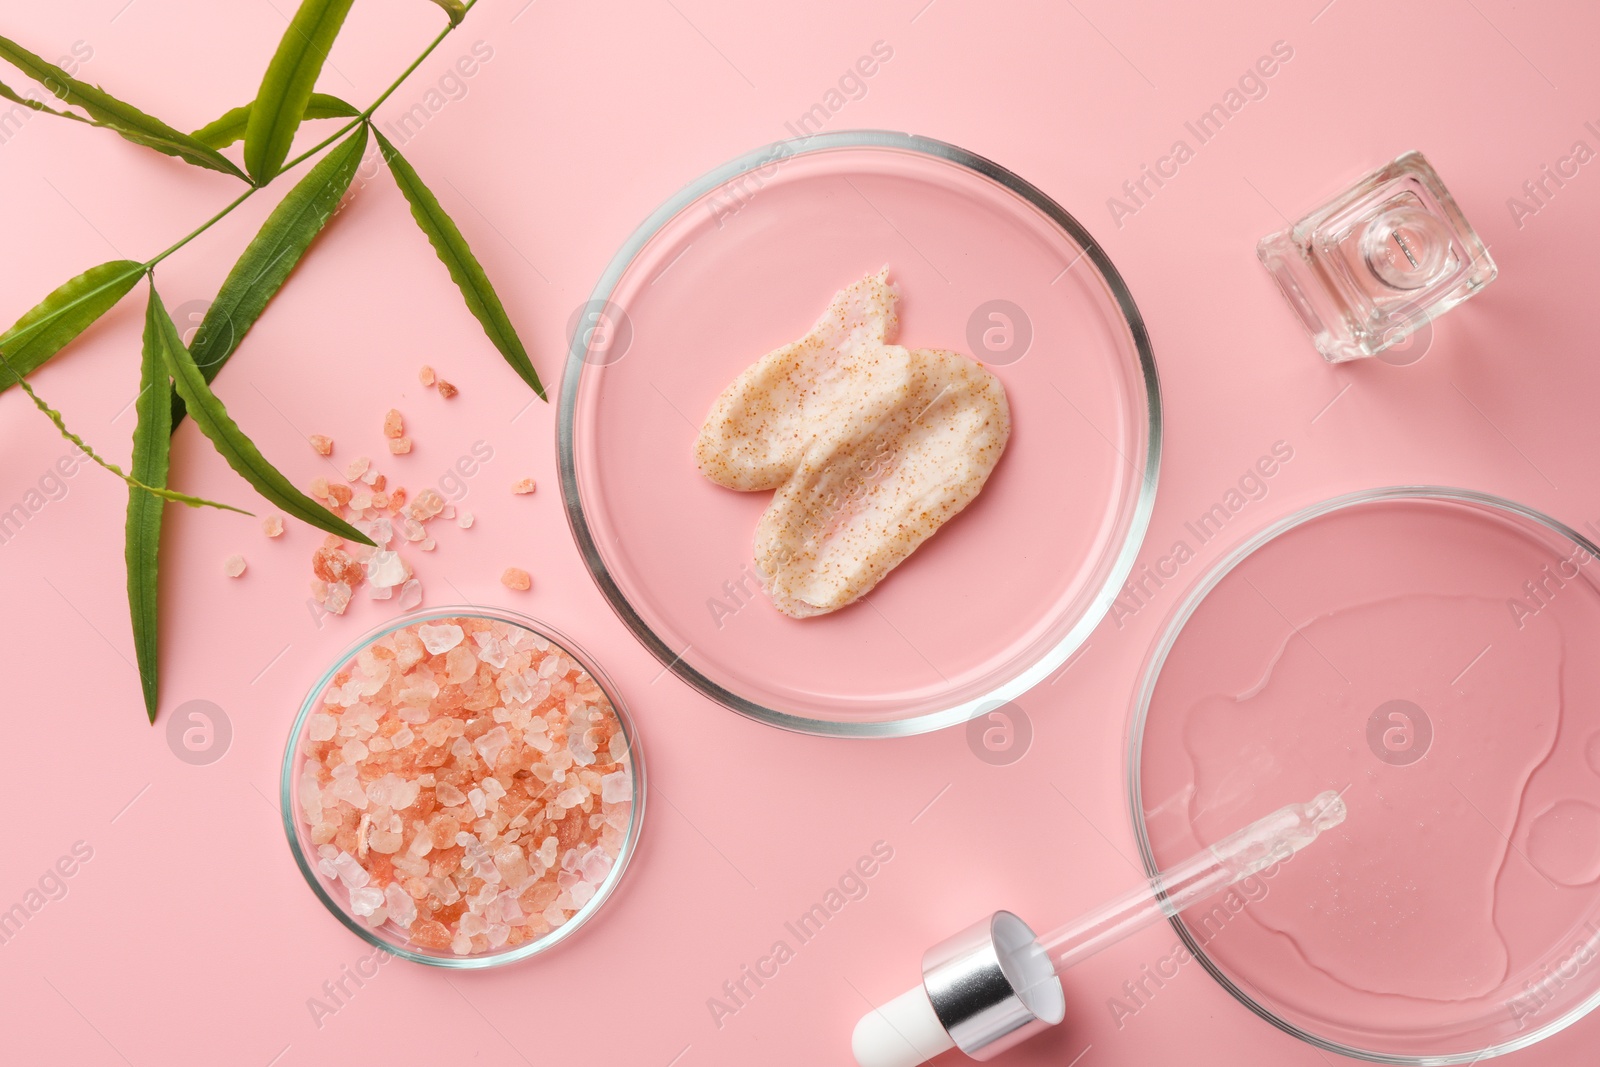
(995,983)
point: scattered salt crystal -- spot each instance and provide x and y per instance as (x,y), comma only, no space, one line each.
(410,595)
(464,520)
(446,390)
(441,637)
(386,569)
(425,375)
(339,493)
(338,597)
(357,467)
(516,578)
(361,501)
(427,544)
(616,787)
(448,511)
(321,445)
(410,528)
(233,566)
(382,592)
(399,446)
(319,488)
(523,486)
(272,525)
(393,424)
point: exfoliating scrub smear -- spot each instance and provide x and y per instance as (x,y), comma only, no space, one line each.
(1430,655)
(986,268)
(463,787)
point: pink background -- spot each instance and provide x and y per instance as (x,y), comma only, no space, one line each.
(190,937)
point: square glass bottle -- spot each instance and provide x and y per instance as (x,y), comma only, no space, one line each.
(1378,261)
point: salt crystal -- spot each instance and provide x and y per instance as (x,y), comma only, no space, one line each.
(446,390)
(572,797)
(357,467)
(491,744)
(351,873)
(320,727)
(425,375)
(427,544)
(461,945)
(410,528)
(272,525)
(498,934)
(385,569)
(476,798)
(349,791)
(581,893)
(338,597)
(371,477)
(361,501)
(402,909)
(393,424)
(366,900)
(616,787)
(399,446)
(449,795)
(555,916)
(595,866)
(523,486)
(322,446)
(338,493)
(233,566)
(382,592)
(464,520)
(410,595)
(354,751)
(516,578)
(440,637)
(448,511)
(402,737)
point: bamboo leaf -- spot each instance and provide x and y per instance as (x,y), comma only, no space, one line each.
(464,268)
(69,310)
(16,98)
(231,442)
(122,117)
(55,416)
(231,126)
(455,9)
(270,256)
(152,438)
(285,90)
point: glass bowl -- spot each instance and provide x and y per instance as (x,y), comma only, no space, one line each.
(465,865)
(1428,652)
(742,261)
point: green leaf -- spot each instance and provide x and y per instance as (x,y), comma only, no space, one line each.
(123,118)
(271,255)
(465,270)
(16,98)
(285,91)
(231,126)
(152,437)
(231,442)
(455,9)
(64,314)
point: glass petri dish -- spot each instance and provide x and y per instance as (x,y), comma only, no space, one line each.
(554,894)
(742,261)
(1429,653)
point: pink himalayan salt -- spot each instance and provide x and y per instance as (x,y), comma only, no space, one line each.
(447,390)
(272,525)
(410,595)
(425,375)
(526,485)
(322,446)
(357,467)
(464,520)
(516,578)
(428,504)
(393,424)
(403,834)
(233,566)
(400,446)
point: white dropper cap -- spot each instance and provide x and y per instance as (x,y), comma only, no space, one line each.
(901,1033)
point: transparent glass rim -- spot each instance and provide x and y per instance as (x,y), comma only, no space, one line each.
(1139,517)
(1141,706)
(290,814)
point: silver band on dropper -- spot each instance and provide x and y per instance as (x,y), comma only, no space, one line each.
(992,986)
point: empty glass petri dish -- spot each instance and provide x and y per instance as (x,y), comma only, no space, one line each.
(463,787)
(1427,652)
(743,260)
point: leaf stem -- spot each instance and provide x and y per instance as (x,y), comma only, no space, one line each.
(364,117)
